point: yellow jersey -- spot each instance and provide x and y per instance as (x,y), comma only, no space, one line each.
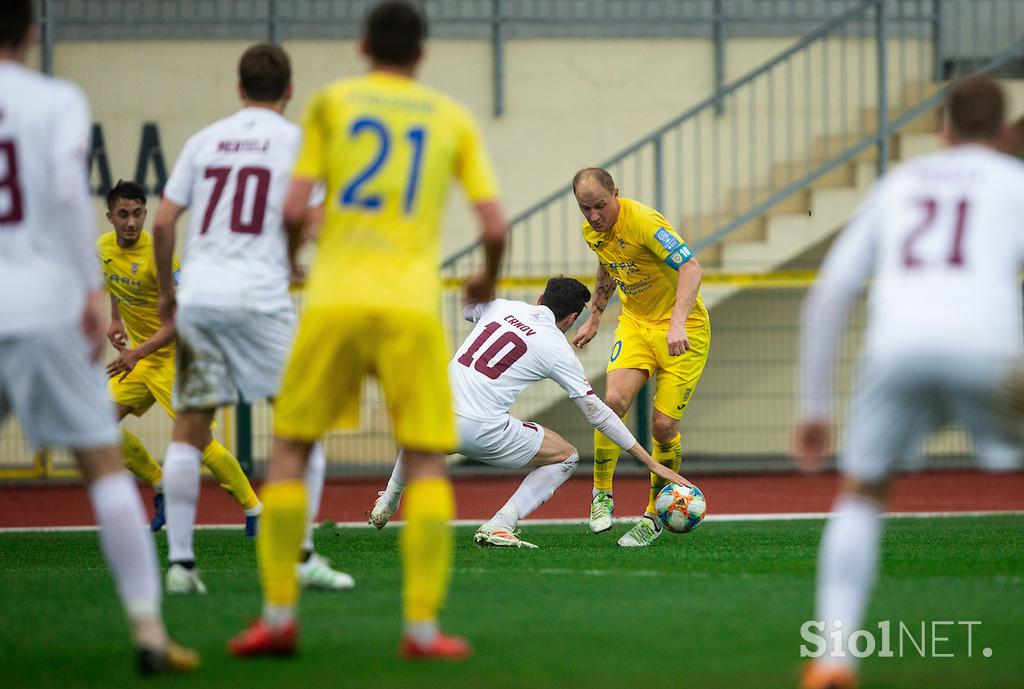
(130,276)
(642,253)
(386,148)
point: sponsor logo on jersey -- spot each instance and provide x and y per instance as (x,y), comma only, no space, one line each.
(630,267)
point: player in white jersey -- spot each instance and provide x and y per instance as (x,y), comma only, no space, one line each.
(942,238)
(513,345)
(51,320)
(235,318)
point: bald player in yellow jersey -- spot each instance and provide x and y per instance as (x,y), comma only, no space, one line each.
(386,148)
(143,371)
(664,331)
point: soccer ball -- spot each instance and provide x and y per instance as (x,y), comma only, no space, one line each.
(680,508)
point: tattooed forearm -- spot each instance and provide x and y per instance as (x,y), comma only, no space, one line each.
(603,291)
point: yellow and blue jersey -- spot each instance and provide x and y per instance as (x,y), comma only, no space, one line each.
(386,147)
(130,276)
(643,253)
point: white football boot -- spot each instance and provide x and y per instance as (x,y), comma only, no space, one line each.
(316,573)
(644,533)
(499,537)
(601,512)
(381,512)
(180,579)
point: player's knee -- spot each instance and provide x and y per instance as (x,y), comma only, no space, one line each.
(618,402)
(664,428)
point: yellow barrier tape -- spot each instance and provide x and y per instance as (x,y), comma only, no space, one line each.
(793,278)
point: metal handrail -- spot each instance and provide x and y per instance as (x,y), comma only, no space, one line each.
(706,104)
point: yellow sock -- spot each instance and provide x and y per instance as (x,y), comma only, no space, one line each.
(279,540)
(426,547)
(138,460)
(671,455)
(225,467)
(606,456)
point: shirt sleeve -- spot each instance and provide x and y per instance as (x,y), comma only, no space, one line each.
(311,163)
(848,264)
(601,417)
(567,371)
(178,189)
(664,242)
(70,146)
(473,166)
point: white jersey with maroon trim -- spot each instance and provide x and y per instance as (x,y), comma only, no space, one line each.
(234,175)
(513,345)
(46,218)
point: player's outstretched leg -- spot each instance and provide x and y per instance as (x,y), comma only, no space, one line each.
(181,488)
(315,571)
(386,505)
(280,537)
(129,550)
(228,472)
(847,567)
(669,452)
(606,456)
(555,461)
(426,549)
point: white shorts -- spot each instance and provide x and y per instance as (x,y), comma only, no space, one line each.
(225,352)
(508,442)
(57,393)
(899,402)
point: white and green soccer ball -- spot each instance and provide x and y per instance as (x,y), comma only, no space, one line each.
(680,508)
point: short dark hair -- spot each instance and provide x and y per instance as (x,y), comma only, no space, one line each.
(16,16)
(564,296)
(127,190)
(265,72)
(976,109)
(603,178)
(394,33)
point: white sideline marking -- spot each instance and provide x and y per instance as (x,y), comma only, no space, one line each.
(781,517)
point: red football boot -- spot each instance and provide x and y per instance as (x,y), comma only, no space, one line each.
(443,647)
(261,639)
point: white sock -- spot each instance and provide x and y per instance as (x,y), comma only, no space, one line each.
(423,633)
(396,484)
(538,486)
(181,494)
(847,567)
(278,615)
(316,467)
(127,544)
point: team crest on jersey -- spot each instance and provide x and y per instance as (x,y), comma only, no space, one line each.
(135,268)
(622,244)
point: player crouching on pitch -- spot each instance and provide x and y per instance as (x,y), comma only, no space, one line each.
(513,345)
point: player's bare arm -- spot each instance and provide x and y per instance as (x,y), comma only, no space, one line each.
(687,287)
(479,288)
(115,332)
(603,292)
(163,254)
(297,215)
(92,323)
(659,470)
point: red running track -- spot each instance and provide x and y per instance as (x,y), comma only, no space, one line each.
(479,498)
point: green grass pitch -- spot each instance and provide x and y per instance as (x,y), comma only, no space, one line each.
(721,607)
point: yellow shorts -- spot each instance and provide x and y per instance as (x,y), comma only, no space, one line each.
(152,380)
(645,347)
(337,348)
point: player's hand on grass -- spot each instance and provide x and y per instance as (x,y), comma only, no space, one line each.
(478,289)
(124,363)
(586,332)
(92,323)
(811,442)
(167,307)
(117,335)
(678,341)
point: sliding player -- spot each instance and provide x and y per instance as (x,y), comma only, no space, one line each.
(664,331)
(940,236)
(51,335)
(387,149)
(143,371)
(514,345)
(236,319)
